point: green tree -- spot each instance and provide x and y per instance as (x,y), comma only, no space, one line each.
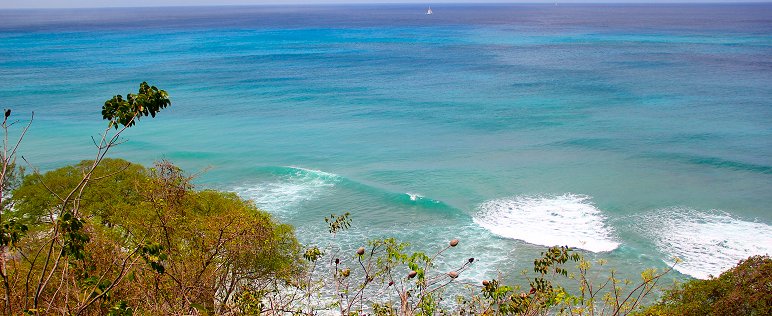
(214,244)
(75,235)
(40,268)
(195,249)
(111,192)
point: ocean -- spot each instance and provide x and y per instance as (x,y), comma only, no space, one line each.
(635,133)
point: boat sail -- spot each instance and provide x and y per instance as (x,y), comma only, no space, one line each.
(429,11)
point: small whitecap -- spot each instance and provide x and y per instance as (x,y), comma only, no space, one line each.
(300,171)
(414,196)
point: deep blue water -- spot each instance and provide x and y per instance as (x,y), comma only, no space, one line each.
(634,132)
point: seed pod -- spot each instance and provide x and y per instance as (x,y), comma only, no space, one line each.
(454,242)
(412,274)
(345,272)
(453,274)
(471,260)
(361,251)
(337,261)
(391,283)
(485,282)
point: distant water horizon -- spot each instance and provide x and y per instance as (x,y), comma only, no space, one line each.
(633,132)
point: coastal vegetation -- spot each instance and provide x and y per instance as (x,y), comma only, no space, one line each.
(745,289)
(148,240)
(110,237)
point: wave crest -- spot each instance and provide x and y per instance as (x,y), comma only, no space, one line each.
(568,219)
(287,187)
(708,242)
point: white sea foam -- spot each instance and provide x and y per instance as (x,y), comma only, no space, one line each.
(414,196)
(314,173)
(285,192)
(563,220)
(708,242)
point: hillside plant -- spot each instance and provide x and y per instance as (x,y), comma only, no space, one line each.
(106,236)
(37,261)
(745,289)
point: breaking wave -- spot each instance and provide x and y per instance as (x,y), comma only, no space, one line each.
(287,187)
(708,242)
(568,219)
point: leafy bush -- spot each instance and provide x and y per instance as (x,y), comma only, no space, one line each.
(106,236)
(745,289)
(194,249)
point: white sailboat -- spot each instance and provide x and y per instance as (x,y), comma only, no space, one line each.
(429,11)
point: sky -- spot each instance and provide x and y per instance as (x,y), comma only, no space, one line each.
(8,4)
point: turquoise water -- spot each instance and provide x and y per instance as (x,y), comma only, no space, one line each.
(634,132)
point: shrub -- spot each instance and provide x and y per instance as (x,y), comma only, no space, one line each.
(182,250)
(745,289)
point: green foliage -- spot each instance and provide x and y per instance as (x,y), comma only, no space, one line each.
(149,101)
(249,301)
(313,254)
(154,256)
(112,192)
(553,258)
(383,278)
(205,244)
(745,289)
(51,248)
(428,305)
(551,291)
(75,238)
(338,223)
(121,308)
(198,247)
(98,285)
(384,310)
(11,232)
(11,180)
(544,293)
